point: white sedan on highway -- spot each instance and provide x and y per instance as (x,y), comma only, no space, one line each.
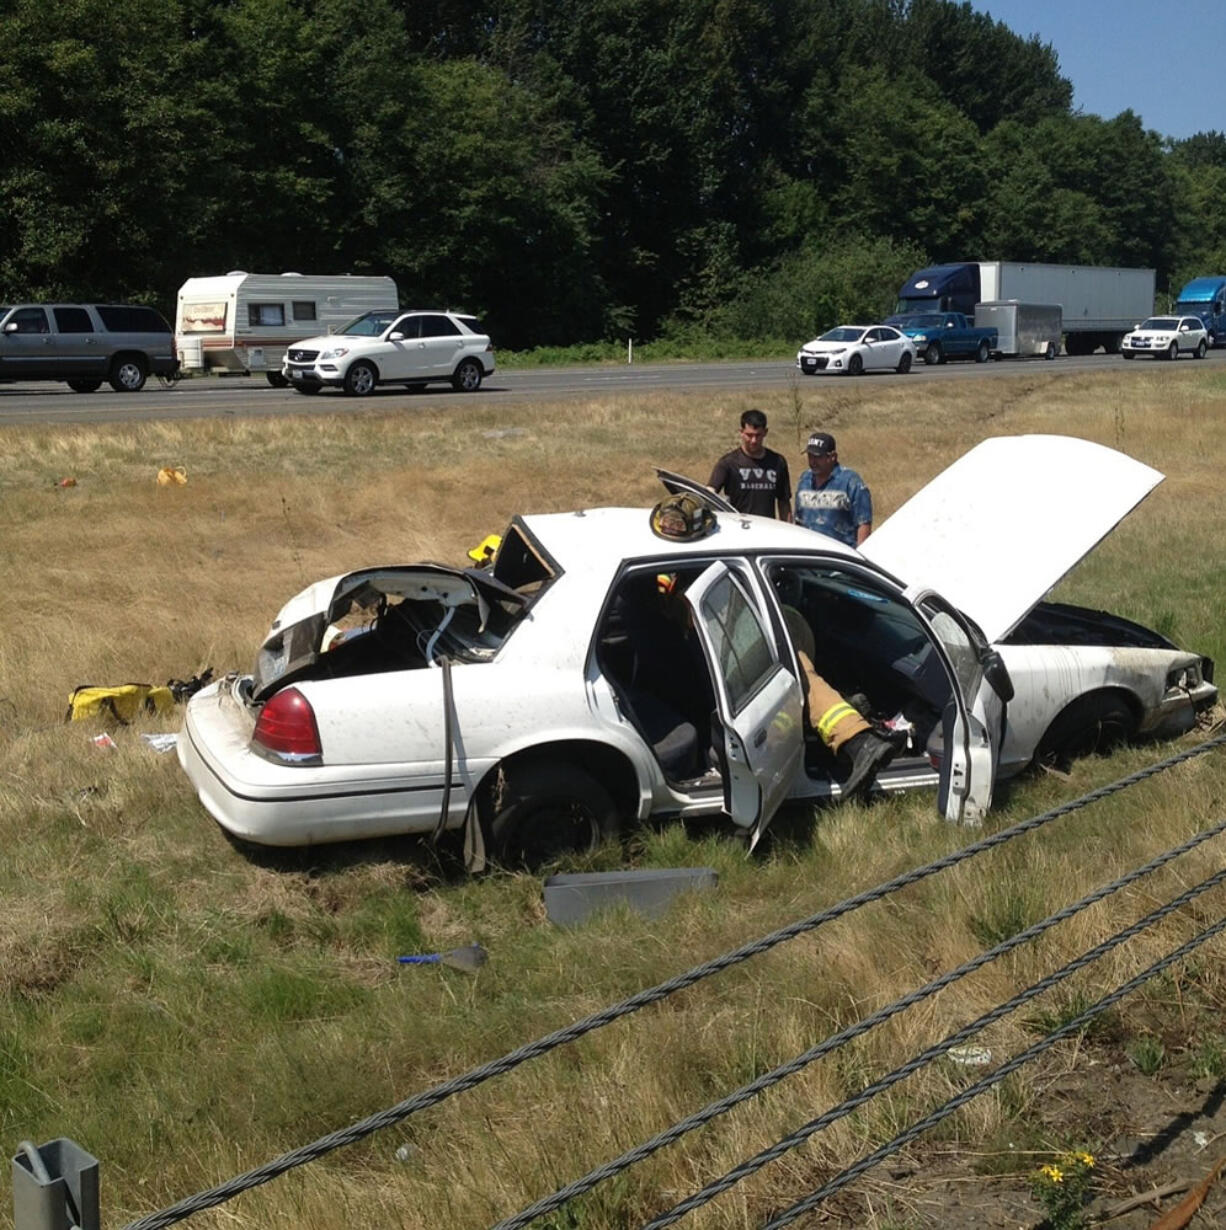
(851,350)
(601,672)
(1167,337)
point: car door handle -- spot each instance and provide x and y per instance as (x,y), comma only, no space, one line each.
(760,737)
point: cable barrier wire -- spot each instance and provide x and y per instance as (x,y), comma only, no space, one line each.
(674,1133)
(355,1132)
(925,1057)
(994,1078)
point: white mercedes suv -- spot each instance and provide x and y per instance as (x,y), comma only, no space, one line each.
(412,348)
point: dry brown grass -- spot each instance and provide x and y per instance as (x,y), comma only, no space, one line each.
(186,1011)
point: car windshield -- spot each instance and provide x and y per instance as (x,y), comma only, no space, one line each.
(370,324)
(926,320)
(844,333)
(1166,323)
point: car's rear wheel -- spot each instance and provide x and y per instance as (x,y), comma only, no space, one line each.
(361,379)
(904,364)
(550,809)
(1095,723)
(1172,351)
(981,355)
(1202,349)
(84,386)
(277,380)
(467,377)
(855,365)
(932,356)
(128,373)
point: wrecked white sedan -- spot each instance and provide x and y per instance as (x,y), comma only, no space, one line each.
(546,700)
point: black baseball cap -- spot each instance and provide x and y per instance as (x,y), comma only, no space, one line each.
(821,442)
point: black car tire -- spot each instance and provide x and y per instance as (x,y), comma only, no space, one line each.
(1129,355)
(981,355)
(85,386)
(277,380)
(307,387)
(550,809)
(933,356)
(467,377)
(904,364)
(1202,349)
(1172,351)
(1089,725)
(855,366)
(128,373)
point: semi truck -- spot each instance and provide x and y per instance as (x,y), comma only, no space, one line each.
(1206,298)
(1098,304)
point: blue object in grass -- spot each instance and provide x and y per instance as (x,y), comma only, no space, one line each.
(469,958)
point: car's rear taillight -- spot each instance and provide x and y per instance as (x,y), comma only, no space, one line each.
(286,731)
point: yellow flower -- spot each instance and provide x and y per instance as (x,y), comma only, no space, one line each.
(1086,1159)
(1053,1174)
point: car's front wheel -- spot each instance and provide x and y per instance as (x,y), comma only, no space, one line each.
(904,364)
(277,380)
(361,379)
(1172,351)
(307,387)
(128,373)
(1095,723)
(855,366)
(467,377)
(550,809)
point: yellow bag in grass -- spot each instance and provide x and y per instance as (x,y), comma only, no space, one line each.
(172,476)
(123,702)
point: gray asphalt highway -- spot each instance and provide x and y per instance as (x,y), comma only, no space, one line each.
(253,397)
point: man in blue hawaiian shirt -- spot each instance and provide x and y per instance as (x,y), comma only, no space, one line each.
(830,498)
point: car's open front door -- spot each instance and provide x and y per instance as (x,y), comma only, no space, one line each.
(758,700)
(972,724)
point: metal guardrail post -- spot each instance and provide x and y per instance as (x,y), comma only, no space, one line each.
(55,1187)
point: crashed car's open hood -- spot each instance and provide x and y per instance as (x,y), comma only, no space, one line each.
(295,640)
(997,529)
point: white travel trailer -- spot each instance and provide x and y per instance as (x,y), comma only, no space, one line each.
(242,322)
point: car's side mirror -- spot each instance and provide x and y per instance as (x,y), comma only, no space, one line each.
(395,337)
(11,327)
(997,674)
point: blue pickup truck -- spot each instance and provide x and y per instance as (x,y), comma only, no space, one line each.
(946,335)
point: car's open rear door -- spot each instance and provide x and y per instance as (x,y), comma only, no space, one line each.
(758,700)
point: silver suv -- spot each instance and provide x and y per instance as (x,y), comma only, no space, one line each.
(85,344)
(412,348)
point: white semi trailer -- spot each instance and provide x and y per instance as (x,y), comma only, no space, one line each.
(1098,304)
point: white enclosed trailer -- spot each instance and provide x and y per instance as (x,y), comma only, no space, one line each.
(1023,328)
(242,322)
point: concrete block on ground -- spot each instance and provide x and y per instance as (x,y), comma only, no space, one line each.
(571,899)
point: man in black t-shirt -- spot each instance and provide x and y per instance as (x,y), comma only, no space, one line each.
(753,477)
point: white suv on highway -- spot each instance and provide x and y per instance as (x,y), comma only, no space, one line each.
(1165,337)
(393,347)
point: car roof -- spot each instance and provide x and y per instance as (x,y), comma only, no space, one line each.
(601,539)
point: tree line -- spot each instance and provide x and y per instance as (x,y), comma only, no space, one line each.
(571,170)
